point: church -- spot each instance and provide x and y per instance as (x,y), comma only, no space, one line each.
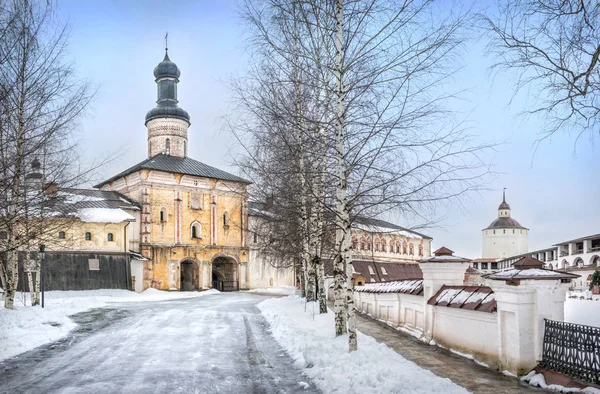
(191,228)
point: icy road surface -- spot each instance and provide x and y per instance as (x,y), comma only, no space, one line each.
(213,344)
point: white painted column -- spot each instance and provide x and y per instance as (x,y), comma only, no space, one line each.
(435,275)
(521,311)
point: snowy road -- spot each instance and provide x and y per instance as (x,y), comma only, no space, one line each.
(213,344)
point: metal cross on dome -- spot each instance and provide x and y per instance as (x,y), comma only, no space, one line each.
(167,41)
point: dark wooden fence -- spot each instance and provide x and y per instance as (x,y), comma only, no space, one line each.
(572,349)
(71,271)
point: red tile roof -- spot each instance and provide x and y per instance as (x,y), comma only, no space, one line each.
(474,298)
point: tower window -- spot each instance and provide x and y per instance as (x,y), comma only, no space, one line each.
(110,237)
(3,235)
(163,215)
(168,146)
(255,238)
(88,236)
(61,235)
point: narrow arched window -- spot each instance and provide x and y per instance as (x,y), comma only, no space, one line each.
(61,235)
(88,236)
(168,146)
(404,249)
(226,219)
(110,237)
(163,214)
(196,230)
(420,250)
(411,249)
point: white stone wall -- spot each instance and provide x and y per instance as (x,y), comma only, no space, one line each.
(503,243)
(174,129)
(137,272)
(469,332)
(403,310)
(262,268)
(263,275)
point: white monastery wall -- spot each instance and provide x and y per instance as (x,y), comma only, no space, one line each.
(397,308)
(467,331)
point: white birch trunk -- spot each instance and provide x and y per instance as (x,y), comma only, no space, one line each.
(38,271)
(341,191)
(31,287)
(12,264)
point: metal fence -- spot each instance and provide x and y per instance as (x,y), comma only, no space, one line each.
(572,349)
(226,285)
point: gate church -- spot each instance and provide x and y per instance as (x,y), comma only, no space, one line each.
(192,225)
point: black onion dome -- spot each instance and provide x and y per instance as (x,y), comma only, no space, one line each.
(504,205)
(505,222)
(167,111)
(166,68)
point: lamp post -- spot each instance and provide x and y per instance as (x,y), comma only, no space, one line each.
(41,256)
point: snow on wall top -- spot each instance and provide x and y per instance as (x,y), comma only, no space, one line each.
(414,287)
(475,298)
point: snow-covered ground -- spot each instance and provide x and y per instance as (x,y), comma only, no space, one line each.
(538,380)
(26,327)
(284,290)
(309,338)
(586,311)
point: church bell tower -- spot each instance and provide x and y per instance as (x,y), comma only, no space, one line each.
(167,123)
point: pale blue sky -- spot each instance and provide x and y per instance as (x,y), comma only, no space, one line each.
(117,44)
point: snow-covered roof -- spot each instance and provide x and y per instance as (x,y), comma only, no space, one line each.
(443,259)
(414,287)
(534,273)
(137,256)
(92,205)
(475,298)
(387,230)
(104,215)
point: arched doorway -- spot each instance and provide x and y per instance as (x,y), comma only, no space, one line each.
(225,274)
(595,260)
(190,276)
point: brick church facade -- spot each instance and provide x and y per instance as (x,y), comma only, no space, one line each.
(191,228)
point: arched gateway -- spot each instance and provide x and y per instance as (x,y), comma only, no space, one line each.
(225,274)
(189,275)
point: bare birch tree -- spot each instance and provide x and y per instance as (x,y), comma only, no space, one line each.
(553,46)
(41,100)
(376,72)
